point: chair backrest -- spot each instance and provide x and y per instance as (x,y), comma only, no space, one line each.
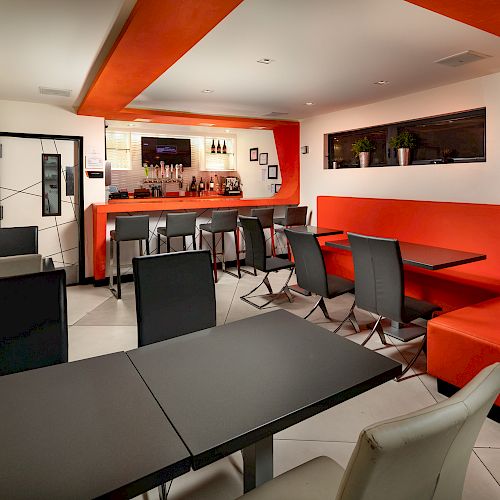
(309,263)
(18,240)
(423,455)
(378,272)
(224,221)
(181,224)
(131,227)
(16,265)
(255,242)
(34,329)
(265,216)
(295,216)
(174,294)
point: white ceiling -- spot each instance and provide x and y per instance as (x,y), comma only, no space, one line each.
(326,51)
(52,43)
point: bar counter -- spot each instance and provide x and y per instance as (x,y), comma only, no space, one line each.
(128,206)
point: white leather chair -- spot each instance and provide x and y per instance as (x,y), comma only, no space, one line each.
(16,265)
(420,456)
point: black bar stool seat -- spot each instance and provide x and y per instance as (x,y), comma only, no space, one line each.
(127,228)
(178,224)
(223,221)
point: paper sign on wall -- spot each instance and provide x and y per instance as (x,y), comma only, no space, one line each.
(93,162)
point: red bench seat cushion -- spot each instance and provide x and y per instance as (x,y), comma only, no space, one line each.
(463,342)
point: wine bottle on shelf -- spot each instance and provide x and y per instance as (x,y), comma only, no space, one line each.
(212,149)
(193,184)
(224,148)
(218,146)
(216,183)
(211,184)
(201,185)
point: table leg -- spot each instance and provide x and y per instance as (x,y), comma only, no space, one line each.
(257,463)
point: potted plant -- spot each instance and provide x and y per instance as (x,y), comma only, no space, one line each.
(403,142)
(363,148)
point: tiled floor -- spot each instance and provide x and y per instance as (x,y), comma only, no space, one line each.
(100,324)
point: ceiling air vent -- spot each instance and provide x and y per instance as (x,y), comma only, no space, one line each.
(49,91)
(461,58)
(275,114)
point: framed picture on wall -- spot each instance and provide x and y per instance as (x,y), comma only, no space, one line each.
(272,171)
(254,154)
(277,188)
(263,159)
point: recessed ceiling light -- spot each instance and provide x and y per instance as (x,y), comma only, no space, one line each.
(265,60)
(131,125)
(206,124)
(258,128)
(207,91)
(142,120)
(309,103)
(381,82)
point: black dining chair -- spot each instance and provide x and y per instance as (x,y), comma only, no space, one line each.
(294,216)
(174,294)
(33,313)
(18,240)
(127,228)
(255,243)
(312,275)
(181,224)
(379,278)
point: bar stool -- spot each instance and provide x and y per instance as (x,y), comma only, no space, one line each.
(127,228)
(294,216)
(223,221)
(266,217)
(182,224)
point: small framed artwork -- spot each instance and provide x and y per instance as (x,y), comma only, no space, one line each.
(272,171)
(263,159)
(254,154)
(277,188)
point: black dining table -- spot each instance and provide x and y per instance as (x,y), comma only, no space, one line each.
(86,429)
(232,387)
(424,256)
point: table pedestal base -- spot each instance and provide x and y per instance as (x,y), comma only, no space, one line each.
(257,463)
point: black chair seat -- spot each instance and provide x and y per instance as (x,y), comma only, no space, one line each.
(338,286)
(276,264)
(207,227)
(414,309)
(162,231)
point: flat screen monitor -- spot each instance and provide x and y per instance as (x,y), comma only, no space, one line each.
(156,149)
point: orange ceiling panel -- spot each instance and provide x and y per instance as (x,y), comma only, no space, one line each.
(156,35)
(482,14)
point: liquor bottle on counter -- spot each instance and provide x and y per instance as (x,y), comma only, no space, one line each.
(211,184)
(193,184)
(212,149)
(218,146)
(216,183)
(224,148)
(201,185)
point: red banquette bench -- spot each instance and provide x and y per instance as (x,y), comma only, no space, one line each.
(466,338)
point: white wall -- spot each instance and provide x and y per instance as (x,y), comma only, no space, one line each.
(250,171)
(44,119)
(467,182)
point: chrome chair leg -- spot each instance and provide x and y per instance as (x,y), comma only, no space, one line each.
(265,281)
(412,361)
(321,304)
(350,317)
(377,327)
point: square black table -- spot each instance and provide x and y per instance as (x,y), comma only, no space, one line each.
(232,387)
(87,429)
